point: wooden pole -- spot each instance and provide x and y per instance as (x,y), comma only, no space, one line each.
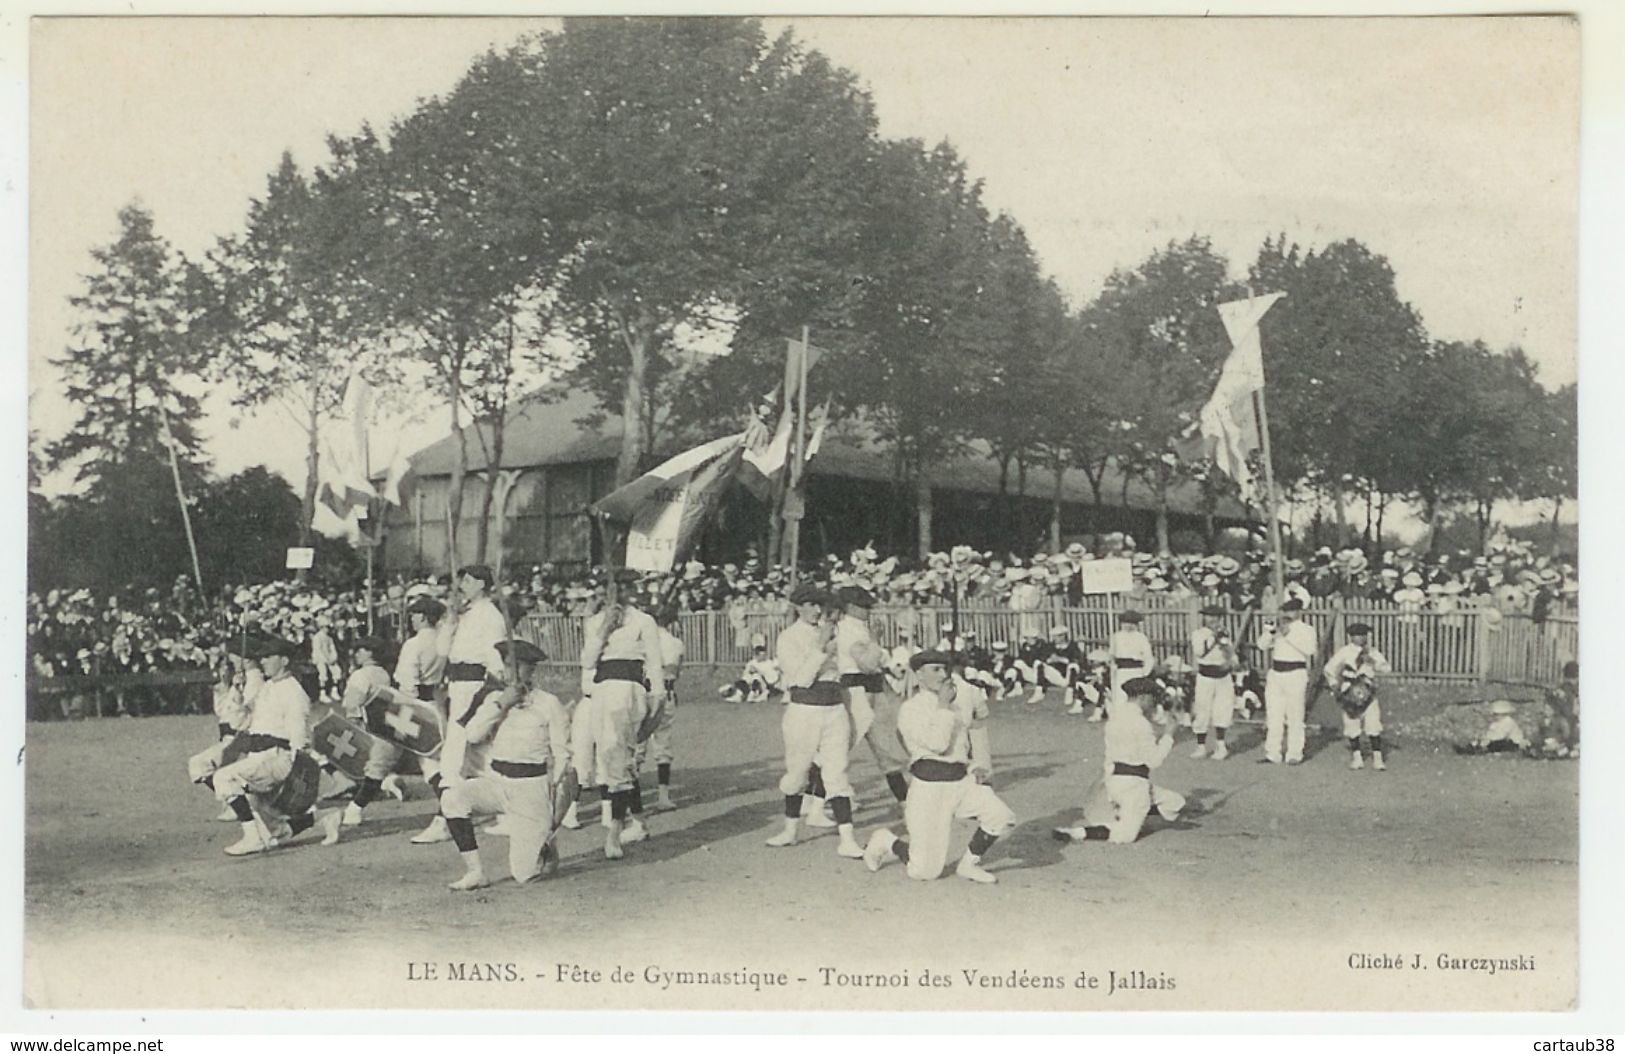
(1278,570)
(795,502)
(180,496)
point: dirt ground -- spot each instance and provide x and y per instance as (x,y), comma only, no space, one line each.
(1445,883)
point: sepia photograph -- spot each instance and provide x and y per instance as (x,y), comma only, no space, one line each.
(760,513)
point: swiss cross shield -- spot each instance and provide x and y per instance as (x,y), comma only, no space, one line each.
(346,744)
(406,722)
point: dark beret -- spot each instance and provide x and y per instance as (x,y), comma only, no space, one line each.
(1214,609)
(855,597)
(808,593)
(1130,617)
(1292,604)
(1140,686)
(481,572)
(1359,628)
(520,651)
(428,607)
(376,645)
(929,657)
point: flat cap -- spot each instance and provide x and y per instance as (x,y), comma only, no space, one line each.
(1130,617)
(929,657)
(1137,687)
(855,597)
(520,651)
(1359,629)
(808,593)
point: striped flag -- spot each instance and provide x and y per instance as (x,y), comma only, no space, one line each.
(345,486)
(1227,428)
(668,506)
(763,463)
(819,419)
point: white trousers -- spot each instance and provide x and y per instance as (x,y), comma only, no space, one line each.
(820,735)
(1121,804)
(459,759)
(658,746)
(1215,703)
(528,805)
(930,812)
(1285,694)
(604,734)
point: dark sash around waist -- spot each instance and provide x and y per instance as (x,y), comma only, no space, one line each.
(254,742)
(1129,664)
(519,770)
(426,692)
(1213,671)
(1120,769)
(935,770)
(465,671)
(619,670)
(820,693)
(869,682)
(1283,666)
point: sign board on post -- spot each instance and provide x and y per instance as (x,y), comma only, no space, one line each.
(301,559)
(1108,576)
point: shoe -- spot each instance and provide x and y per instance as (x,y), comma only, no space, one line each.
(1220,752)
(1200,751)
(664,803)
(472,880)
(227,816)
(784,837)
(1378,764)
(1070,834)
(329,822)
(392,787)
(1095,718)
(1074,710)
(248,844)
(437,831)
(879,847)
(571,820)
(612,848)
(849,848)
(1268,759)
(282,832)
(812,813)
(969,867)
(1356,761)
(1294,761)
(634,831)
(352,815)
(1036,697)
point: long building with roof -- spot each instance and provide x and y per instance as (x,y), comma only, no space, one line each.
(558,456)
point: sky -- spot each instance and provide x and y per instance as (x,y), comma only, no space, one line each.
(1448,145)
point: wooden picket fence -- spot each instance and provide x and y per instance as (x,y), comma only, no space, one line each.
(1468,646)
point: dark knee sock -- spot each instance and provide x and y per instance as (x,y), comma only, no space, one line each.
(462,832)
(302,822)
(240,809)
(1097,833)
(1354,744)
(620,803)
(842,808)
(900,848)
(603,792)
(634,798)
(438,785)
(981,842)
(815,782)
(663,773)
(1376,744)
(1201,737)
(369,790)
(792,806)
(1218,734)
(898,784)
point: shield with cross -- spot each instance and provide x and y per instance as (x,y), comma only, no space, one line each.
(346,744)
(405,721)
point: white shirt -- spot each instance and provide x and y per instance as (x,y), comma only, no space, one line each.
(282,709)
(637,639)
(1132,644)
(1205,649)
(931,728)
(478,632)
(1297,643)
(1130,739)
(532,731)
(1347,655)
(849,633)
(802,658)
(671,652)
(421,660)
(362,680)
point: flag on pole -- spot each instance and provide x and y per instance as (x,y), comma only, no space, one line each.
(345,484)
(818,419)
(668,505)
(762,464)
(1227,427)
(792,366)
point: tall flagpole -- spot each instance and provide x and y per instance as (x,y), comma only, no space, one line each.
(180,495)
(795,504)
(1261,417)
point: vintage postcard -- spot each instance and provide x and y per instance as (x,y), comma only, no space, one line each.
(820,513)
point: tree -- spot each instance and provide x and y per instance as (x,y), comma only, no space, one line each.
(1554,472)
(131,350)
(246,523)
(696,164)
(1165,344)
(1338,356)
(283,308)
